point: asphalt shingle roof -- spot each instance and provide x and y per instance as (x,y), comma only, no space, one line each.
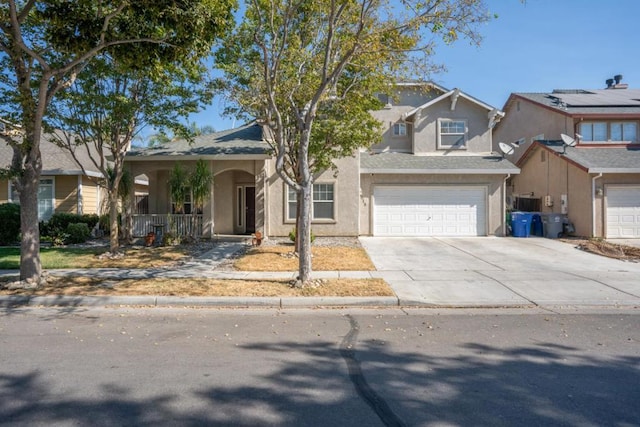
(600,159)
(245,140)
(440,164)
(596,101)
(55,160)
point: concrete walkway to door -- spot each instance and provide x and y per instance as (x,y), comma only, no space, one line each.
(501,271)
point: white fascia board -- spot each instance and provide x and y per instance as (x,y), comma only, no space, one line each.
(442,171)
(614,170)
(187,158)
(70,172)
(448,94)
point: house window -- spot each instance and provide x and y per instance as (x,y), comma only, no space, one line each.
(623,131)
(604,132)
(400,129)
(46,198)
(322,206)
(452,134)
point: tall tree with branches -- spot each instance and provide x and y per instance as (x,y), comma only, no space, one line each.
(110,104)
(308,71)
(45,44)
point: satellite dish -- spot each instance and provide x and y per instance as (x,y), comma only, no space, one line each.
(567,140)
(506,148)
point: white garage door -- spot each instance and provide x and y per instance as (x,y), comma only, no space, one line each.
(623,212)
(429,211)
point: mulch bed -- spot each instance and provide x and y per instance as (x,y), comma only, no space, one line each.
(608,249)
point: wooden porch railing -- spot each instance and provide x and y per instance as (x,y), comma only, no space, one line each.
(179,224)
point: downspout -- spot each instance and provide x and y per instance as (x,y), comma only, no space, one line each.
(593,204)
(504,205)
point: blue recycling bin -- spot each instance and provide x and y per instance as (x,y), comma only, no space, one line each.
(536,224)
(521,224)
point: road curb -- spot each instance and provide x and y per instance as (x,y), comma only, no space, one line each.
(162,301)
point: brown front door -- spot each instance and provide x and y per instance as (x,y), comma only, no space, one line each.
(250,209)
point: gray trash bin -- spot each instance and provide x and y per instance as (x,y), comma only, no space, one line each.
(552,224)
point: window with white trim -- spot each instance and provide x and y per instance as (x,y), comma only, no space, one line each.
(400,129)
(452,134)
(46,198)
(603,132)
(322,206)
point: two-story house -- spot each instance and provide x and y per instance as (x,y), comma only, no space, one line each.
(433,174)
(596,181)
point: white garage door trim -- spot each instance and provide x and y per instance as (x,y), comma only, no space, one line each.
(622,211)
(429,210)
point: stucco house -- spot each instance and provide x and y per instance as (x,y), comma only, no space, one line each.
(64,187)
(596,183)
(433,174)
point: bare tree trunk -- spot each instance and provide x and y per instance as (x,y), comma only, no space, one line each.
(30,265)
(114,244)
(303,234)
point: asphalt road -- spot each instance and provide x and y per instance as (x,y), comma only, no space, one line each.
(190,367)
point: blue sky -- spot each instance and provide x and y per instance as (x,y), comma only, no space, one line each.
(533,46)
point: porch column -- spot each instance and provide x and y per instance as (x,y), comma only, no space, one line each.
(261,197)
(208,217)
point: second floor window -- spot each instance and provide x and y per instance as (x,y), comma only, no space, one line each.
(400,129)
(452,134)
(609,132)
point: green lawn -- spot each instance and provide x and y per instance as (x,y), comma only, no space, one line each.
(51,257)
(140,257)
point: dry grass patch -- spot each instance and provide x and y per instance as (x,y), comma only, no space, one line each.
(91,286)
(608,249)
(325,258)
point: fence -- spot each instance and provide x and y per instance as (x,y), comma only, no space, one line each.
(180,224)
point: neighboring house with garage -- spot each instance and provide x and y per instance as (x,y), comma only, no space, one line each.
(596,183)
(64,187)
(433,174)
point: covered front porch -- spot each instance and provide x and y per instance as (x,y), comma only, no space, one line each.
(237,159)
(235,204)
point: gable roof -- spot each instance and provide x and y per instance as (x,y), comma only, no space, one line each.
(244,142)
(615,102)
(55,160)
(593,159)
(406,163)
(454,93)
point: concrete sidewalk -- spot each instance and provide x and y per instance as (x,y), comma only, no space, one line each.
(453,281)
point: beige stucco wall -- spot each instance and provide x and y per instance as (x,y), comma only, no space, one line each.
(524,119)
(493,184)
(478,133)
(545,173)
(346,189)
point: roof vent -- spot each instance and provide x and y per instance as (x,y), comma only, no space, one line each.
(618,85)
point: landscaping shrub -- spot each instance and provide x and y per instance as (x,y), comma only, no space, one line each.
(57,229)
(105,224)
(292,235)
(78,232)
(10,220)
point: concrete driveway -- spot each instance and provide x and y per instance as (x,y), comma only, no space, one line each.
(498,271)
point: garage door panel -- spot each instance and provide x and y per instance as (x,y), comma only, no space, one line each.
(429,211)
(623,212)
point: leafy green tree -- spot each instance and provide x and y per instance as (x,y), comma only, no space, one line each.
(110,104)
(308,71)
(178,186)
(45,44)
